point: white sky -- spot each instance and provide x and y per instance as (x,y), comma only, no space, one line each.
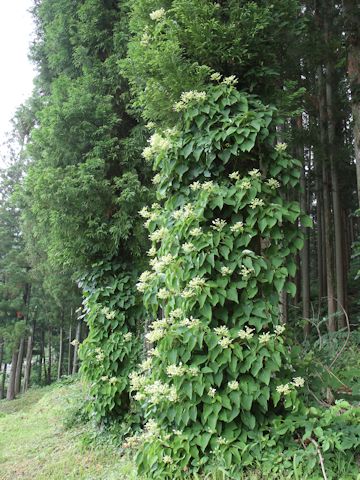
(17,73)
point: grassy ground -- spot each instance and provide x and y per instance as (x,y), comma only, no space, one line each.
(35,445)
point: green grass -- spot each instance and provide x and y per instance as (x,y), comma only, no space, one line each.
(35,445)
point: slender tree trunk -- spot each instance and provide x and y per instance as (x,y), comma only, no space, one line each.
(61,349)
(352,26)
(1,370)
(50,359)
(2,381)
(339,244)
(69,351)
(10,395)
(19,366)
(305,255)
(327,210)
(319,231)
(76,347)
(29,351)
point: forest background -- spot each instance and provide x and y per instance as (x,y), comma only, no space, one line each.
(117,85)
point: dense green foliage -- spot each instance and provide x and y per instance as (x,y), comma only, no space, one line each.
(112,348)
(220,261)
(181,331)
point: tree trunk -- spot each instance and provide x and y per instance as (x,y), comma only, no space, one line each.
(76,347)
(305,255)
(19,366)
(352,27)
(10,395)
(29,351)
(61,349)
(2,381)
(50,359)
(339,244)
(69,351)
(321,272)
(327,210)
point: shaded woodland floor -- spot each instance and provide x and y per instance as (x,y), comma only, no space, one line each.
(35,445)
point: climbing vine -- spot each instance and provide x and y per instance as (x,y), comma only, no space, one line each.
(224,235)
(114,315)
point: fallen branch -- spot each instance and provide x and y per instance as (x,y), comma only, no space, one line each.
(321,459)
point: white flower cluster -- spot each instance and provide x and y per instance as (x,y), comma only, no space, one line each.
(155,335)
(197,282)
(163,294)
(257,202)
(232,80)
(265,338)
(150,215)
(154,352)
(234,385)
(156,179)
(184,212)
(146,364)
(157,144)
(237,227)
(298,382)
(152,251)
(255,173)
(222,331)
(110,315)
(99,354)
(111,380)
(218,224)
(225,271)
(212,392)
(225,341)
(245,185)
(193,96)
(281,147)
(159,264)
(283,389)
(152,428)
(144,280)
(216,77)
(181,370)
(234,175)
(176,370)
(196,232)
(190,322)
(279,329)
(177,313)
(246,334)
(273,183)
(158,392)
(188,247)
(137,381)
(208,186)
(157,15)
(145,39)
(194,286)
(246,272)
(159,234)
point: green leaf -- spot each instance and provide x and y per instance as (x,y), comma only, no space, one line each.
(186,151)
(232,294)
